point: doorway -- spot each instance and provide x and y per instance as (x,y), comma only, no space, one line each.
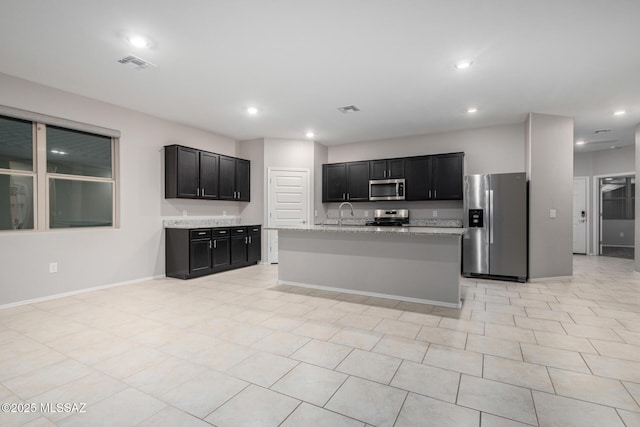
(288,203)
(617,216)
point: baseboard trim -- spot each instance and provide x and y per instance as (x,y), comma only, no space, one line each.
(79,291)
(372,294)
(547,279)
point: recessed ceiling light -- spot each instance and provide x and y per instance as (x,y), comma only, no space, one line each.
(310,134)
(613,146)
(472,110)
(580,142)
(620,113)
(252,110)
(461,65)
(138,41)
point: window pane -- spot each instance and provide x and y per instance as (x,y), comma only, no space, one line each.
(80,203)
(16,202)
(16,144)
(78,153)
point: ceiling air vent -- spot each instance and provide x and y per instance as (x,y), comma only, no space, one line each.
(602,131)
(348,109)
(136,62)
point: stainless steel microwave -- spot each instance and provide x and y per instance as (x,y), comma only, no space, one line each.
(386,189)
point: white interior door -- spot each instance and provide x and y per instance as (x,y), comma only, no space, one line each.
(288,203)
(580,215)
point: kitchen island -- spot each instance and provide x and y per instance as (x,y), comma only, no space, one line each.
(418,264)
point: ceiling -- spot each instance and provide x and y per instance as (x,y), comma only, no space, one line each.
(299,60)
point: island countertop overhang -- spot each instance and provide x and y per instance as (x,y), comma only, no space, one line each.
(407,230)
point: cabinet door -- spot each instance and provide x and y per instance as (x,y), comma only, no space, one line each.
(447,176)
(334,182)
(254,247)
(358,181)
(188,175)
(243,180)
(221,253)
(227,181)
(395,168)
(208,175)
(200,255)
(418,178)
(377,169)
(238,249)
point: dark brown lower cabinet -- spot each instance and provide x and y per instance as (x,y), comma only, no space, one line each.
(198,252)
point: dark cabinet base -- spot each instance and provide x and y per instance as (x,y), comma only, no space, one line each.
(190,254)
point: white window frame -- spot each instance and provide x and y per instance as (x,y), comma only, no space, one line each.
(41,177)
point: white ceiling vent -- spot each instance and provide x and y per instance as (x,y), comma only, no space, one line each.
(348,109)
(601,131)
(136,62)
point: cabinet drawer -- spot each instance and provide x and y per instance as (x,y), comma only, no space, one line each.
(239,230)
(200,233)
(220,232)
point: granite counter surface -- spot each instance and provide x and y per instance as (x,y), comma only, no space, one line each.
(411,230)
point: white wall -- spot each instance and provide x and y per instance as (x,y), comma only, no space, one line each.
(637,227)
(598,163)
(605,162)
(95,257)
(320,156)
(498,149)
(550,173)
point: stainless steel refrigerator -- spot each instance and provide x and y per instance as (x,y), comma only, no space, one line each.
(495,215)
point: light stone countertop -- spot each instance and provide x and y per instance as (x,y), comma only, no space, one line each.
(206,223)
(416,231)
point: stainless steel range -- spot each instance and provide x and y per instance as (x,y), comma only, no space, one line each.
(390,217)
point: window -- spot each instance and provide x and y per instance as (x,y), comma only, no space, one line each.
(16,174)
(618,197)
(69,173)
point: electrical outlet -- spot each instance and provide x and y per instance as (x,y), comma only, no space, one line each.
(435,213)
(53,267)
(553,213)
(621,234)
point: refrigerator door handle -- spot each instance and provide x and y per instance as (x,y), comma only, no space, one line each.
(491,217)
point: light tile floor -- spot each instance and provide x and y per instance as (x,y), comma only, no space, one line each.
(236,349)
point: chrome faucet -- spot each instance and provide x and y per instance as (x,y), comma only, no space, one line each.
(340,211)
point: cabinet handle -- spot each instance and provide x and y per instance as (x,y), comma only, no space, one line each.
(209,244)
(239,194)
(245,240)
(429,193)
(203,192)
(197,192)
(389,174)
(215,244)
(435,194)
(384,174)
(348,196)
(249,239)
(344,197)
(222,232)
(202,233)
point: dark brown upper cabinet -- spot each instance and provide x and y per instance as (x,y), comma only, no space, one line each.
(197,174)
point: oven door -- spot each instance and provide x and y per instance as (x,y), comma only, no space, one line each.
(386,189)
